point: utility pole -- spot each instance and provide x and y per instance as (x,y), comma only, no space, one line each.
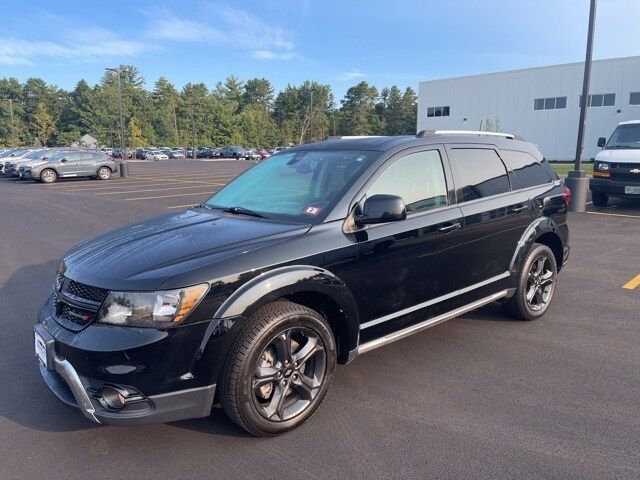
(13,127)
(577,181)
(311,116)
(124,167)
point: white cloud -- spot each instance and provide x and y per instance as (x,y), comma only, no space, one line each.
(78,46)
(235,29)
(270,55)
(352,74)
(170,27)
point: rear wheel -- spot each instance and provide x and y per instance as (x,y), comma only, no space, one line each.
(536,284)
(48,175)
(104,173)
(599,199)
(279,369)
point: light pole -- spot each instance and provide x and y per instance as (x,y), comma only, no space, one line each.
(124,166)
(13,127)
(577,181)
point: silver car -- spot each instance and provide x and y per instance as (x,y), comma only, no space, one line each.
(75,163)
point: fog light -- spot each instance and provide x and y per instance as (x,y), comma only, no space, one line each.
(111,398)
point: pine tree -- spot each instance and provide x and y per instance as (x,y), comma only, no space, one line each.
(43,123)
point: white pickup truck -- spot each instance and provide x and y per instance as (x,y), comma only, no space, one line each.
(616,169)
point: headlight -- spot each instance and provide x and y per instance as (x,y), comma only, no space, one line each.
(162,309)
(604,167)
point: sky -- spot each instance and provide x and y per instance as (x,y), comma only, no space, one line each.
(338,42)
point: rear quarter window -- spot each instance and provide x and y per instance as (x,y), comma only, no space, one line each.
(528,171)
(481,173)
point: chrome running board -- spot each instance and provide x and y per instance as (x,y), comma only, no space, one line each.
(431,322)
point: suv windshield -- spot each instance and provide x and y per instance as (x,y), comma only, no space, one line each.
(297,186)
(625,136)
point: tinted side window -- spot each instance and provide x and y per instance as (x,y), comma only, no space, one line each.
(481,173)
(528,171)
(73,157)
(417,178)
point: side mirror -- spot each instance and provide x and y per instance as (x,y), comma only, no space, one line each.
(382,209)
(602,142)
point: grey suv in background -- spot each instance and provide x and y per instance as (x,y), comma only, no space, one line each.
(68,164)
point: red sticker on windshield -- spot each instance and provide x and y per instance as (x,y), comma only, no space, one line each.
(309,210)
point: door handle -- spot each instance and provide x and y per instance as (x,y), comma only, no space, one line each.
(520,208)
(449,228)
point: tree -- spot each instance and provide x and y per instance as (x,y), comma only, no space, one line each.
(136,138)
(165,104)
(43,123)
(257,92)
(257,127)
(358,112)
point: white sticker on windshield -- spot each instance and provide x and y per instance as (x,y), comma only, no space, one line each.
(309,210)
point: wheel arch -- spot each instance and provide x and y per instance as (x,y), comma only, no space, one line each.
(105,166)
(311,286)
(543,230)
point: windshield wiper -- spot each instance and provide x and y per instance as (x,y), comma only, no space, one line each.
(244,211)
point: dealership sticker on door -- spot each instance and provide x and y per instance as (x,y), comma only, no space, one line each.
(632,190)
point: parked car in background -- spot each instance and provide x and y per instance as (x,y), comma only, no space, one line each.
(175,154)
(117,153)
(12,159)
(234,152)
(278,149)
(12,164)
(74,163)
(616,169)
(107,150)
(41,160)
(156,155)
(263,153)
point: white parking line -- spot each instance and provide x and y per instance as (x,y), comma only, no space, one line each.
(202,194)
(157,189)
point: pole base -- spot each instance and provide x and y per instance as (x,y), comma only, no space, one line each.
(124,170)
(578,183)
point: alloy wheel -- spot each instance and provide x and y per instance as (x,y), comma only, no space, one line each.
(289,373)
(540,283)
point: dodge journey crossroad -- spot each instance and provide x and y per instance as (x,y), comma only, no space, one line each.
(316,255)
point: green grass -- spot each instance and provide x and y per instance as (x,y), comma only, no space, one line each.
(565,168)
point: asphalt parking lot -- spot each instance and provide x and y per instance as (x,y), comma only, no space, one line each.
(481,396)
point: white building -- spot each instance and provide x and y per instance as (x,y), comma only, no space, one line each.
(541,104)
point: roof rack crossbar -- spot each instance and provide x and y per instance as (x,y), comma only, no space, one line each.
(510,136)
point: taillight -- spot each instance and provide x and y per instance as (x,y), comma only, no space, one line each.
(566,195)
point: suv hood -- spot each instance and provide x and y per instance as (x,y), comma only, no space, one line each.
(143,255)
(619,155)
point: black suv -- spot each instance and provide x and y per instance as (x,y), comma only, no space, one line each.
(316,255)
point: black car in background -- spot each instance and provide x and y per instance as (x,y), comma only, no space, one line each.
(234,152)
(312,257)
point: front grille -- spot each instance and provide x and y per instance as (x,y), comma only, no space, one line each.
(75,304)
(622,171)
(65,313)
(85,292)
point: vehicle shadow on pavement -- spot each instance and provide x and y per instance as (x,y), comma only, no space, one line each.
(25,398)
(217,424)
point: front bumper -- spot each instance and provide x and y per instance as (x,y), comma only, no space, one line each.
(613,188)
(84,393)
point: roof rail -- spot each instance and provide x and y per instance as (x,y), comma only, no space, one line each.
(510,136)
(345,137)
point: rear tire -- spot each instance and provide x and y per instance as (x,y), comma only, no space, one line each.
(535,286)
(48,175)
(279,369)
(599,199)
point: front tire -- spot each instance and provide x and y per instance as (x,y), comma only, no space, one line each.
(48,175)
(278,369)
(536,284)
(599,199)
(104,173)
